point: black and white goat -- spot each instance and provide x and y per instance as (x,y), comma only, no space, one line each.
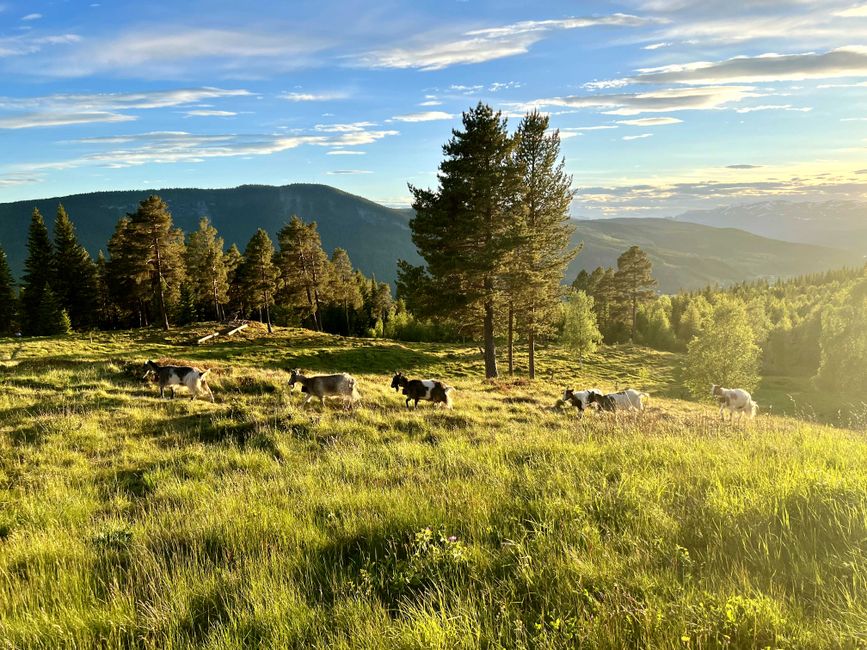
(429,390)
(626,400)
(322,386)
(735,400)
(194,379)
(577,398)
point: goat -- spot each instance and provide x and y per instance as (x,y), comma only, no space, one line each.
(734,399)
(577,398)
(322,386)
(194,379)
(626,400)
(423,389)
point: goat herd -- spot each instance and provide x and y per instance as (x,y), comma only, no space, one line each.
(345,387)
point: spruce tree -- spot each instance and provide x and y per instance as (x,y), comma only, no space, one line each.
(8,299)
(343,289)
(75,279)
(543,253)
(259,273)
(206,268)
(303,267)
(106,311)
(127,277)
(160,248)
(635,284)
(464,229)
(37,296)
(233,261)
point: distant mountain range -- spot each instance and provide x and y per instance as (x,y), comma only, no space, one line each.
(685,255)
(839,224)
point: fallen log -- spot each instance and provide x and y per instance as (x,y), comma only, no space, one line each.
(237,329)
(207,338)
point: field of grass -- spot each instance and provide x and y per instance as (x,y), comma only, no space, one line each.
(130,521)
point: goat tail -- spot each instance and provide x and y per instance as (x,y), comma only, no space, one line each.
(449,403)
(354,390)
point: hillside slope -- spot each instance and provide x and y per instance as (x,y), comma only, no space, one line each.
(685,255)
(839,224)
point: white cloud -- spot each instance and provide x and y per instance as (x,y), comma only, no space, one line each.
(16,46)
(430,102)
(351,127)
(859,11)
(210,113)
(434,51)
(656,46)
(312,97)
(32,120)
(348,172)
(651,121)
(657,101)
(425,116)
(637,137)
(774,107)
(32,17)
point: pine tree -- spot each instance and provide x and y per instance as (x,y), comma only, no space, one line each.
(160,247)
(635,283)
(106,311)
(234,261)
(343,289)
(303,267)
(127,277)
(540,260)
(75,279)
(464,229)
(206,268)
(580,330)
(37,297)
(8,299)
(259,273)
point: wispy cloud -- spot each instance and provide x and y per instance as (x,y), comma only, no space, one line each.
(31,17)
(637,137)
(742,166)
(435,51)
(425,116)
(210,113)
(651,121)
(348,172)
(31,120)
(774,107)
(312,97)
(656,46)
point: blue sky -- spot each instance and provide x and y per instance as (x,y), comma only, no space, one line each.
(663,105)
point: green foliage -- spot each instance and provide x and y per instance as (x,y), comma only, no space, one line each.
(580,332)
(843,341)
(724,353)
(634,286)
(206,269)
(38,278)
(259,273)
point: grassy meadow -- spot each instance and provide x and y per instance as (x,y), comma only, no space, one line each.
(130,521)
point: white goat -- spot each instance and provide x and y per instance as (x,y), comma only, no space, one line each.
(194,379)
(734,399)
(322,386)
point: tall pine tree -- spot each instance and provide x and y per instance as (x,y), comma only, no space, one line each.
(40,311)
(159,247)
(206,268)
(303,267)
(8,299)
(464,230)
(541,258)
(635,284)
(259,273)
(75,279)
(343,288)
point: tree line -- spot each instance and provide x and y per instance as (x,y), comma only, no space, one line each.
(154,274)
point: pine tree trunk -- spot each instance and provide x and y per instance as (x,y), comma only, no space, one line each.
(531,345)
(511,339)
(162,302)
(490,349)
(634,311)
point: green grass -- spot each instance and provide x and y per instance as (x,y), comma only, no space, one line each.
(129,521)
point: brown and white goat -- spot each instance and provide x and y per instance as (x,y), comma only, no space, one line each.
(194,379)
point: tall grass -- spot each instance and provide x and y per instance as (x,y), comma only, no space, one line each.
(128,521)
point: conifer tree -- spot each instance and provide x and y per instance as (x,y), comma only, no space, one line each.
(343,288)
(8,299)
(233,261)
(206,268)
(463,230)
(37,297)
(75,279)
(303,267)
(540,260)
(106,311)
(127,277)
(580,330)
(259,273)
(160,247)
(635,284)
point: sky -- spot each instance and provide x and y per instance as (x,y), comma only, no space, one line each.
(661,105)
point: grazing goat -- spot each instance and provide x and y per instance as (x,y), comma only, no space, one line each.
(626,400)
(423,389)
(580,399)
(322,386)
(734,399)
(194,379)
